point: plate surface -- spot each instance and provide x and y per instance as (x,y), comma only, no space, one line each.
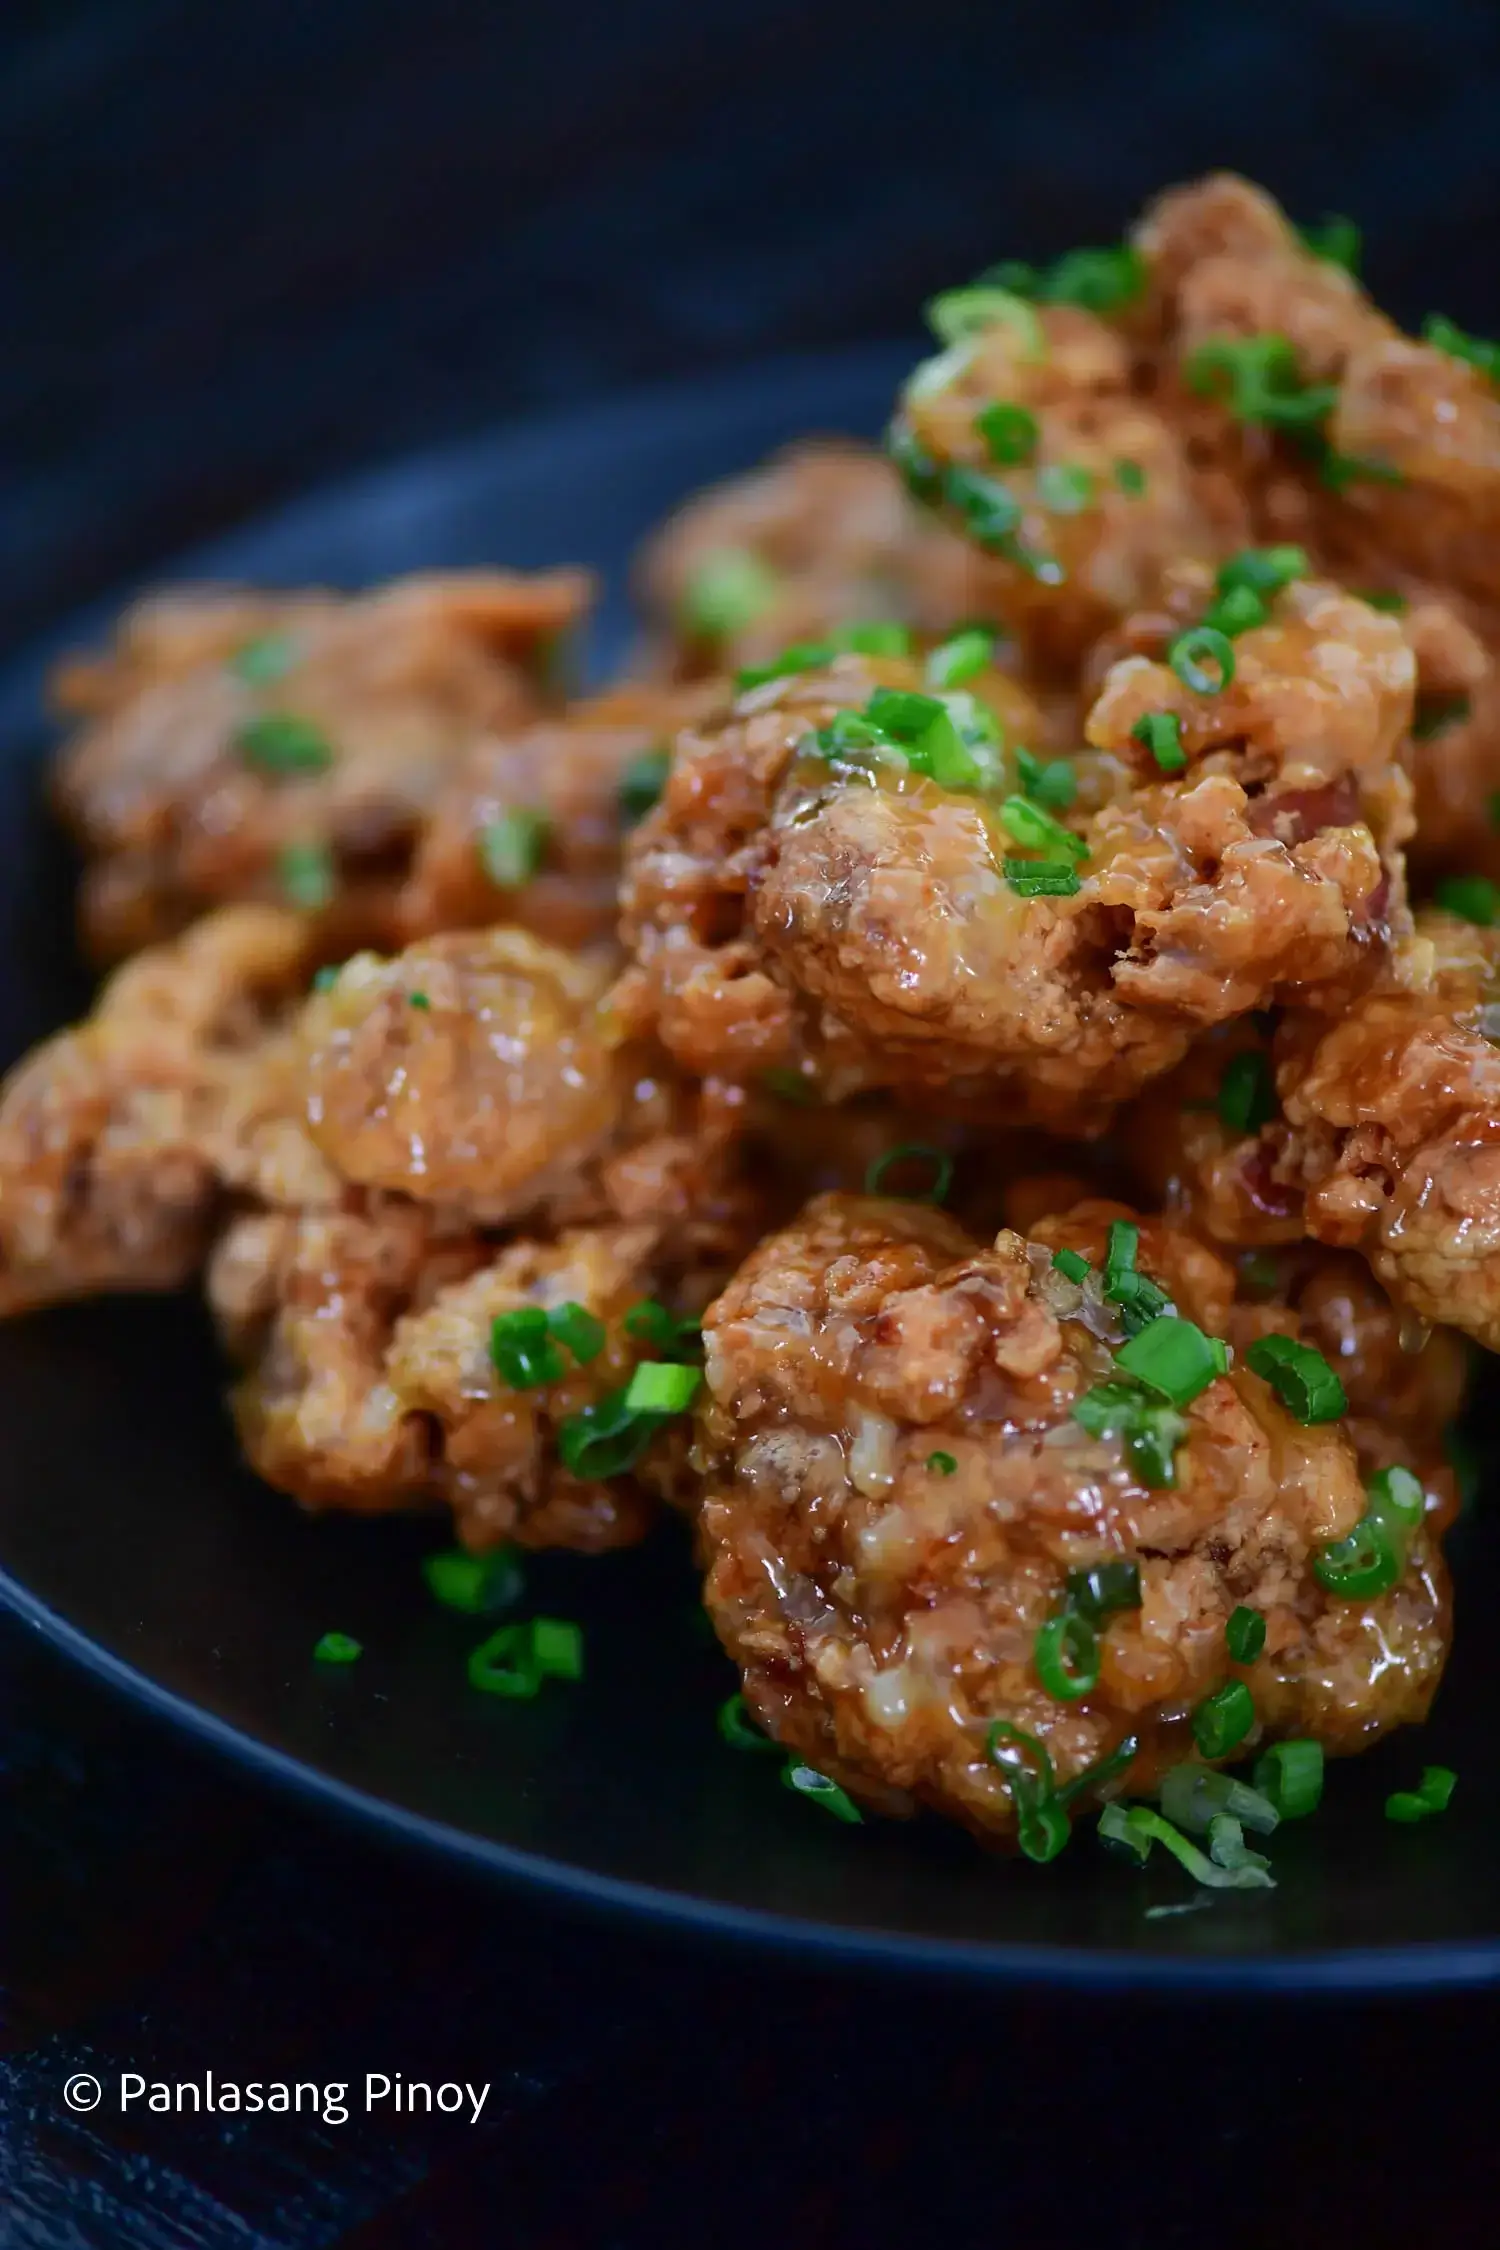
(130,1536)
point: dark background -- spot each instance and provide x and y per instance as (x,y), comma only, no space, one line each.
(244,247)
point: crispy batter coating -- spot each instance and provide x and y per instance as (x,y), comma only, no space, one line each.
(884,1612)
(1074,541)
(119,1136)
(186,789)
(822,535)
(571,782)
(788,910)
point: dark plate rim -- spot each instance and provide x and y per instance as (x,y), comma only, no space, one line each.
(1369,1971)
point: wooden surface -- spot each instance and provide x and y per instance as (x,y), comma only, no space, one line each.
(244,248)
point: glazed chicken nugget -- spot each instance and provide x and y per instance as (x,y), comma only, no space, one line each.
(385,1372)
(1030,435)
(897,1487)
(823,535)
(807,897)
(528,829)
(119,1136)
(289,748)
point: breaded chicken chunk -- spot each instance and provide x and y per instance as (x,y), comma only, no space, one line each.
(897,1486)
(289,748)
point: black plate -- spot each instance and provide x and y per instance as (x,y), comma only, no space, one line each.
(129,1535)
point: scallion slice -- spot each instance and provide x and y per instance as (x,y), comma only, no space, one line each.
(1066,1655)
(1203,659)
(806,1781)
(1300,1376)
(1160,732)
(912,1152)
(511,848)
(1290,1774)
(1174,1358)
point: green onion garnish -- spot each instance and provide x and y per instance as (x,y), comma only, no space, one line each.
(511,848)
(1103,280)
(419,1000)
(1238,611)
(1245,1635)
(262,662)
(1263,382)
(1365,1563)
(727,592)
(913,463)
(1431,1795)
(1222,1720)
(1131,478)
(1300,1376)
(306,876)
(516,1659)
(278,743)
(1435,714)
(337,1648)
(1160,732)
(1051,782)
(1193,1796)
(582,1331)
(474,1584)
(650,1322)
(739,1730)
(523,1349)
(1203,659)
(992,516)
(942,1464)
(1476,351)
(1261,570)
(1066,1655)
(1072,1264)
(1174,1358)
(604,1440)
(642,783)
(1009,432)
(662,1387)
(1247,1092)
(1139,1827)
(1336,240)
(959,658)
(1066,487)
(1291,1775)
(913,1152)
(1098,1592)
(326,978)
(806,1781)
(1474,898)
(1041,878)
(1039,832)
(958,313)
(1041,1824)
(1397,1497)
(1149,1430)
(1106,1769)
(1386,599)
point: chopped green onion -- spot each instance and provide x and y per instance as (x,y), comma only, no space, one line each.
(1038,831)
(1336,240)
(1106,1769)
(326,978)
(1265,383)
(1339,470)
(419,1000)
(511,848)
(1247,1092)
(960,313)
(649,1322)
(278,743)
(1072,1264)
(1066,487)
(1160,732)
(472,1583)
(1192,653)
(1476,351)
(913,1152)
(991,514)
(522,1349)
(1098,1592)
(1474,898)
(1149,1430)
(1245,1634)
(1222,1720)
(1102,280)
(307,878)
(1041,878)
(1192,1796)
(1432,1795)
(1009,432)
(727,592)
(1173,1357)
(1386,599)
(942,1464)
(1435,714)
(1115,1828)
(582,1331)
(337,1648)
(1227,1846)
(1002,1732)
(262,662)
(959,658)
(516,1659)
(1262,570)
(1290,1774)
(806,1781)
(739,1730)
(1365,1563)
(662,1387)
(642,783)
(1141,1827)
(604,1440)
(1041,1824)
(1066,1655)
(918,471)
(925,729)
(1238,611)
(1300,1376)
(1398,1498)
(1131,478)
(1051,782)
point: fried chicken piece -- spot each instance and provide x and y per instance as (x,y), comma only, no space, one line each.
(846,916)
(1081,498)
(119,1136)
(528,828)
(249,746)
(822,535)
(1387,1139)
(1404,458)
(884,1606)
